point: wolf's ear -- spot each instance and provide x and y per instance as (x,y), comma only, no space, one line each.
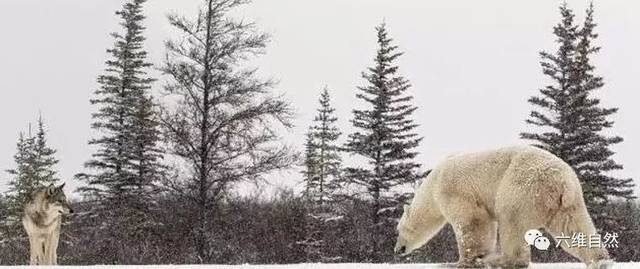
(61,186)
(51,189)
(406,208)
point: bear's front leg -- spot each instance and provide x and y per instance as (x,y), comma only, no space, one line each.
(476,238)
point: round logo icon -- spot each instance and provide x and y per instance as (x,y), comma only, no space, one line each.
(542,243)
(534,238)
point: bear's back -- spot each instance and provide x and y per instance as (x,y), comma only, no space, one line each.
(479,175)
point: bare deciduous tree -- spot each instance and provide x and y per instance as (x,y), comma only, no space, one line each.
(222,120)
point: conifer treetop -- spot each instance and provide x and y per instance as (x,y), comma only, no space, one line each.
(570,116)
(322,173)
(35,167)
(124,116)
(385,130)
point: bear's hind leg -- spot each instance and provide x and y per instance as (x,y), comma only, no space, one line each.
(515,251)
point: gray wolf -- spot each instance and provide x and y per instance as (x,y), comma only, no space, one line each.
(505,192)
(41,220)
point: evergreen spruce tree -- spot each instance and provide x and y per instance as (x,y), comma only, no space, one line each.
(312,242)
(126,165)
(310,171)
(559,68)
(3,207)
(322,179)
(22,184)
(146,155)
(35,168)
(45,160)
(3,211)
(572,117)
(327,162)
(385,136)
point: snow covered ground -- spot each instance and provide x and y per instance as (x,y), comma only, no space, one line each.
(635,265)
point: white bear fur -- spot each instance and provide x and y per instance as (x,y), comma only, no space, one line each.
(504,192)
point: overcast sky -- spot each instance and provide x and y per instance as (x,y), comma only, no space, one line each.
(472,64)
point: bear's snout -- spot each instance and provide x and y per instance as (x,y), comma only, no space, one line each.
(401,250)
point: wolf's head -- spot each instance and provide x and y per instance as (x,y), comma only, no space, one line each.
(57,200)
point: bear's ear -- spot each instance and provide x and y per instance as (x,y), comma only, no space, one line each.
(406,208)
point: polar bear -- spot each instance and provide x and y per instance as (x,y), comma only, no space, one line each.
(501,193)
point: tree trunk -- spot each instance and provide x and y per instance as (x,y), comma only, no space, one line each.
(376,227)
(204,153)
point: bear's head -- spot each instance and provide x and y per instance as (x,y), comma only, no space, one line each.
(407,239)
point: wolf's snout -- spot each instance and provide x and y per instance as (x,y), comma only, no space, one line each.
(401,250)
(66,209)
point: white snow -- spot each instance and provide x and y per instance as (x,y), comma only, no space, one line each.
(336,218)
(634,265)
(387,209)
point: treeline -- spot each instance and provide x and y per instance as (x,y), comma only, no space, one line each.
(266,231)
(158,187)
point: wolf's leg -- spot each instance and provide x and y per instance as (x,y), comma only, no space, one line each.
(50,248)
(47,250)
(475,232)
(576,220)
(39,251)
(33,251)
(53,246)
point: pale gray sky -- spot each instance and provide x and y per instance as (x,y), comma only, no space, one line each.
(473,64)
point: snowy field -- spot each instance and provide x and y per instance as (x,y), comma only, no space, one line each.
(635,265)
